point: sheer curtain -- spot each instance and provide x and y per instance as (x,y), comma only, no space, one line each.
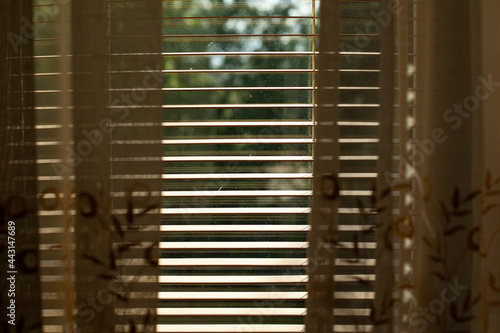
(81,171)
(443,236)
(456,172)
(19,271)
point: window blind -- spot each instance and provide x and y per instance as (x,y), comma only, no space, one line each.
(238,80)
(238,100)
(239,121)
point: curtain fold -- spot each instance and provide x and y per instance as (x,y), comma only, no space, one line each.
(488,135)
(449,170)
(382,312)
(323,235)
(95,254)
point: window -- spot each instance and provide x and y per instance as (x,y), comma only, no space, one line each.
(238,91)
(227,166)
(238,98)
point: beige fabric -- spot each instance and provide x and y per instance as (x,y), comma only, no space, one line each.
(442,155)
(449,276)
(456,99)
(117,235)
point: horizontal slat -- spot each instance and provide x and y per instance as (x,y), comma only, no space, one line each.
(230,311)
(244,71)
(258,295)
(232,262)
(230,88)
(238,176)
(234,193)
(234,141)
(229,328)
(234,228)
(248,228)
(252,210)
(164,295)
(244,193)
(214,37)
(231,53)
(248,141)
(235,123)
(259,17)
(239,210)
(235,158)
(260,175)
(179,262)
(254,279)
(232,245)
(235,106)
(254,245)
(239,279)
